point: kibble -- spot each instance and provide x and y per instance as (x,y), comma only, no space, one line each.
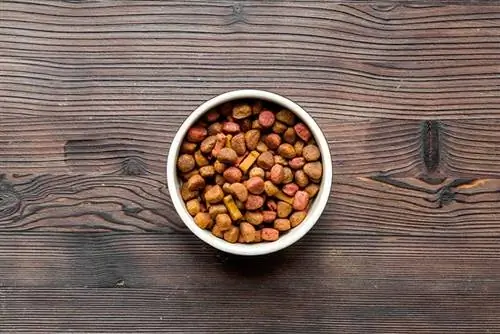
(249,172)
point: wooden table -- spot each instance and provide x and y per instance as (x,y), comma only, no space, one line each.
(407,94)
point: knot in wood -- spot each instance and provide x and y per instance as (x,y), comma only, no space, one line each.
(133,166)
(9,201)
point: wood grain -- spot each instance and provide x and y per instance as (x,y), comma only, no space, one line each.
(86,203)
(377,205)
(412,206)
(351,284)
(338,61)
(170,310)
(472,147)
(407,94)
(140,260)
(139,145)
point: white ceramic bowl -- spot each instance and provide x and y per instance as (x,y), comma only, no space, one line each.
(292,235)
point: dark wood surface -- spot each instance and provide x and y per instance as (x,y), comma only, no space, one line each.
(407,94)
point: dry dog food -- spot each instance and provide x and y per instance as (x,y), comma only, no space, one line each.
(249,171)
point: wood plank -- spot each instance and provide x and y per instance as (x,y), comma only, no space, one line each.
(338,61)
(471,147)
(141,260)
(147,283)
(72,203)
(295,310)
(375,205)
(137,146)
(411,206)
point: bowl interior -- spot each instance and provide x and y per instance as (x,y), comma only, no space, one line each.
(286,239)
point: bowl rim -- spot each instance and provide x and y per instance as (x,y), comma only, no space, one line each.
(291,236)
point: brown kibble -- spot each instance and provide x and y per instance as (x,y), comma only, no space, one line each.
(286,116)
(257,171)
(265,160)
(282,224)
(284,209)
(262,147)
(271,205)
(196,134)
(297,217)
(314,170)
(214,194)
(290,189)
(256,107)
(289,136)
(286,151)
(288,175)
(301,178)
(277,174)
(185,163)
(254,202)
(255,185)
(256,125)
(195,182)
(266,118)
(233,174)
(232,234)
(269,234)
(247,231)
(254,218)
(200,159)
(216,209)
(223,221)
(257,237)
(187,176)
(208,144)
(187,194)
(212,116)
(227,155)
(219,144)
(270,188)
(226,188)
(241,240)
(193,206)
(297,163)
(214,128)
(230,127)
(278,159)
(220,180)
(311,153)
(246,125)
(312,189)
(272,141)
(239,191)
(282,197)
(279,127)
(188,147)
(219,167)
(241,111)
(207,171)
(252,138)
(302,131)
(300,200)
(299,146)
(203,220)
(238,144)
(217,232)
(268,216)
